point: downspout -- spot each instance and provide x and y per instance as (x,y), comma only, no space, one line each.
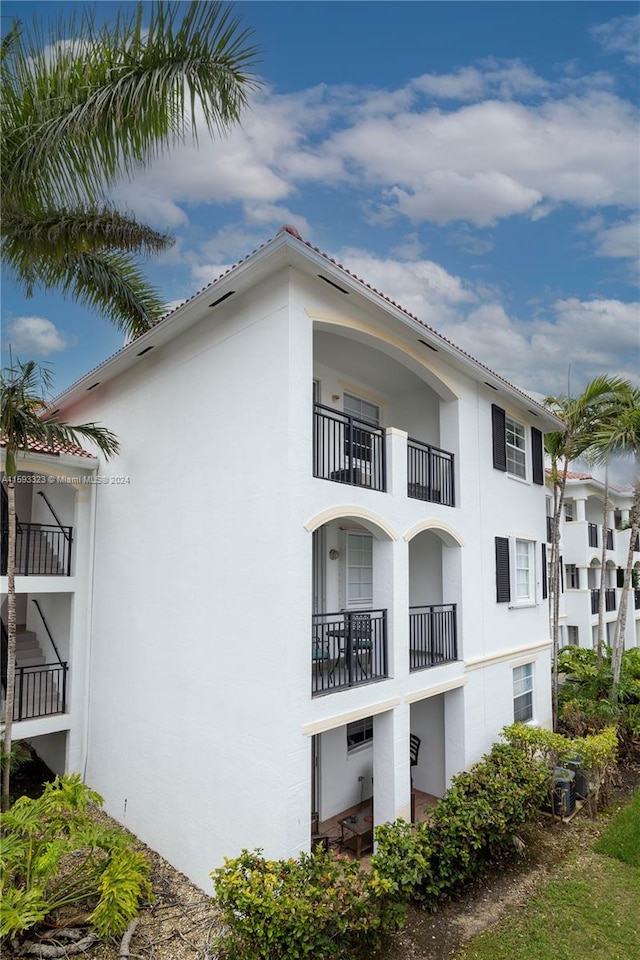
(89,632)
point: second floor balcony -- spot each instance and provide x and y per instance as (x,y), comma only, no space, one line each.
(609,600)
(348,648)
(41,550)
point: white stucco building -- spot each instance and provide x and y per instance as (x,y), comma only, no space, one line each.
(581,540)
(325,531)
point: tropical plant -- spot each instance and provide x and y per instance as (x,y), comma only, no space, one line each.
(54,855)
(582,416)
(23,421)
(618,434)
(86,105)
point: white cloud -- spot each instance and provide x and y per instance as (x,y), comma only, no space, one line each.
(36,336)
(620,35)
(474,163)
(620,239)
(502,78)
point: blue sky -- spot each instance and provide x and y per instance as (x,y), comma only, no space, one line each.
(476,161)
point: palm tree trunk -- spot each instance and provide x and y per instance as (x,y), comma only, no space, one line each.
(621,622)
(11,644)
(559,486)
(603,562)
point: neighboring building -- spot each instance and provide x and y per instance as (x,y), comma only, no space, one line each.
(581,541)
(325,531)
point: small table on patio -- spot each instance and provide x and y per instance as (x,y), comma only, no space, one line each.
(359,829)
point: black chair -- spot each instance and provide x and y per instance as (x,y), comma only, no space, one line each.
(414,750)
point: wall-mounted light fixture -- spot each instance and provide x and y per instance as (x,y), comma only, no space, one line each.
(333,554)
(335,397)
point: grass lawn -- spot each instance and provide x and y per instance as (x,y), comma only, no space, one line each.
(589,906)
(621,839)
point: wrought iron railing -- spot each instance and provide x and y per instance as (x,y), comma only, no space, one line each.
(636,596)
(41,550)
(433,635)
(347,450)
(40,691)
(430,473)
(592,532)
(549,529)
(609,542)
(348,649)
(610,600)
(595,600)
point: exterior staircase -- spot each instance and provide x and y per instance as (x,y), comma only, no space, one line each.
(34,552)
(38,691)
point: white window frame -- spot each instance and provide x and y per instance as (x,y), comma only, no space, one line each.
(352,602)
(523,693)
(569,511)
(359,734)
(361,409)
(521,547)
(516,451)
(571,576)
(573,631)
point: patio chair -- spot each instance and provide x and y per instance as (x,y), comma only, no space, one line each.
(414,750)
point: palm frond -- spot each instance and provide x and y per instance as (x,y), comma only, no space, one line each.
(23,421)
(79,114)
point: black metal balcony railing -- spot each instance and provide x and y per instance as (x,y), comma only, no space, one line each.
(609,600)
(41,550)
(593,534)
(595,600)
(40,691)
(348,649)
(549,529)
(347,450)
(430,473)
(609,540)
(636,545)
(432,635)
(636,596)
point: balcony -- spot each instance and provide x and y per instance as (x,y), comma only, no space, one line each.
(549,529)
(41,550)
(609,600)
(40,691)
(348,649)
(430,473)
(432,636)
(347,450)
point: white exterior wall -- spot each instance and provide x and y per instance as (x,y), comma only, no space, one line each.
(199,692)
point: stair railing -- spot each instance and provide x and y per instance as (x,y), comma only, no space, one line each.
(57,518)
(46,626)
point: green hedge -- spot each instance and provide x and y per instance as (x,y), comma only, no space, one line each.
(319,906)
(470,827)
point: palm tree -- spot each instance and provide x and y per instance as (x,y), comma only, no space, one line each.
(618,434)
(23,421)
(582,416)
(88,105)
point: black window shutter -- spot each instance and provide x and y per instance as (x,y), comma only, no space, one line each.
(499,438)
(620,577)
(561,575)
(503,583)
(537,456)
(544,571)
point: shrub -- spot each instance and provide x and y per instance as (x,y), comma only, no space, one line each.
(318,906)
(54,854)
(472,825)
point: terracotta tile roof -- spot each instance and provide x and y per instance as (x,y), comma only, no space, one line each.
(292,231)
(39,446)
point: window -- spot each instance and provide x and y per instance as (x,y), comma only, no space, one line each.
(523,693)
(524,571)
(359,570)
(573,576)
(569,514)
(573,636)
(516,571)
(362,409)
(516,447)
(359,734)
